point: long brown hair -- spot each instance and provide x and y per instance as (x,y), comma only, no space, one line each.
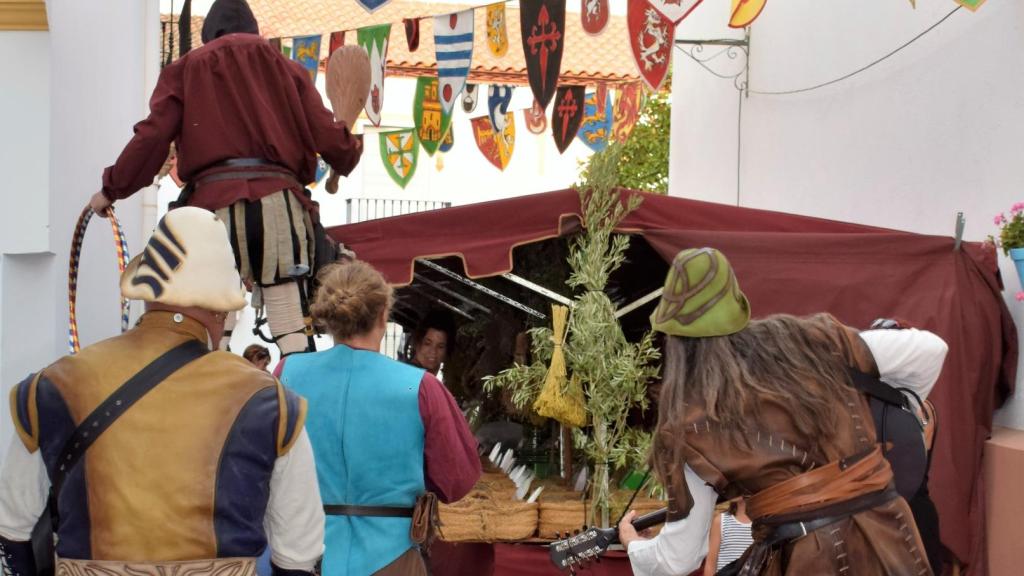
(799,363)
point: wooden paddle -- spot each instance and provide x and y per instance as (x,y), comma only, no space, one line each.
(348,86)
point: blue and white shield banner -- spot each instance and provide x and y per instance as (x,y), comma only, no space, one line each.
(372,5)
(453,39)
(498,99)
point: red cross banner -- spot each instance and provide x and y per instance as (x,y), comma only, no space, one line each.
(542,24)
(567,115)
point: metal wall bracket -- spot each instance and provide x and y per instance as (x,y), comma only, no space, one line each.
(736,64)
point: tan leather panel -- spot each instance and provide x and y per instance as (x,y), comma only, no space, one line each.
(151,475)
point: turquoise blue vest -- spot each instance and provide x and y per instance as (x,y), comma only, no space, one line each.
(367,434)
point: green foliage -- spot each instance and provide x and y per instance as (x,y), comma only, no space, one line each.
(644,156)
(613,371)
(525,381)
(1011,235)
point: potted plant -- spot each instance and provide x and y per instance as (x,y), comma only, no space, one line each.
(1011,238)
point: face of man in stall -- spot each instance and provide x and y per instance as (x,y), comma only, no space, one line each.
(432,350)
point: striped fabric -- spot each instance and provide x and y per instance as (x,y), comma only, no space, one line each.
(453,38)
(736,539)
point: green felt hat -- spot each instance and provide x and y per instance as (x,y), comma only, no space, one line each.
(701,298)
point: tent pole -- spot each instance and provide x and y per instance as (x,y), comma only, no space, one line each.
(644,300)
(539,289)
(482,288)
(450,292)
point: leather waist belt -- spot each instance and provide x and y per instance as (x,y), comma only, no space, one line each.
(379,511)
(834,483)
(781,533)
(244,169)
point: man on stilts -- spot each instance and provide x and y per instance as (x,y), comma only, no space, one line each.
(248,124)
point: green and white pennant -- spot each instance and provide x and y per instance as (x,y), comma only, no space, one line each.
(399,149)
(374,39)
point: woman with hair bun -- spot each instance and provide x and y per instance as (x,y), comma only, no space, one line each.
(383,432)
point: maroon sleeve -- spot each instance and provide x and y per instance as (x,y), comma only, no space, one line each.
(147,151)
(334,141)
(451,464)
(279,369)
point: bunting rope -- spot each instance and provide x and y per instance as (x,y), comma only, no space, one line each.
(74,260)
(861,69)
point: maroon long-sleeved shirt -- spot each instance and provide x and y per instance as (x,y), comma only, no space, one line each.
(451,465)
(236,97)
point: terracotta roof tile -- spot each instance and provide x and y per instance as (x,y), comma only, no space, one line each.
(586,59)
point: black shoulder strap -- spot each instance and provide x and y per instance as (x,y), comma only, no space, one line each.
(117,403)
(876,388)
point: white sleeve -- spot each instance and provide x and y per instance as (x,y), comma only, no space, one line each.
(908,358)
(295,515)
(24,486)
(681,546)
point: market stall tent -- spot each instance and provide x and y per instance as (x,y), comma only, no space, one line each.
(785,264)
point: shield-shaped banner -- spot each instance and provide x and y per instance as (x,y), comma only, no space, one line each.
(627,112)
(321,170)
(542,24)
(469,97)
(594,15)
(375,40)
(675,10)
(497,147)
(602,97)
(497,34)
(399,151)
(498,99)
(431,121)
(337,41)
(453,39)
(372,5)
(596,127)
(449,140)
(744,12)
(536,118)
(568,113)
(412,33)
(651,36)
(306,51)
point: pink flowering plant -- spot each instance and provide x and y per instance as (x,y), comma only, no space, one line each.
(1011,232)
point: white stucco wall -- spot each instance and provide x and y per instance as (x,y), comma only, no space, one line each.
(907,144)
(70,97)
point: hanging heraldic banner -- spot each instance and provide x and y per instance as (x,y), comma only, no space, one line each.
(412,33)
(453,40)
(594,15)
(651,36)
(372,5)
(498,99)
(306,51)
(627,112)
(675,10)
(744,12)
(469,98)
(375,40)
(536,118)
(596,127)
(567,115)
(496,146)
(399,151)
(497,33)
(431,121)
(542,24)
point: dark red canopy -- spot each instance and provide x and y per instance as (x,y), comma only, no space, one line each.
(785,263)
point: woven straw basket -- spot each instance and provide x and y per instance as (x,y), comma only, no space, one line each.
(481,518)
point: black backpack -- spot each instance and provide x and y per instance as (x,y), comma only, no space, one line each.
(899,430)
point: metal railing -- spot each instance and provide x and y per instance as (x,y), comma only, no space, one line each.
(363,209)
